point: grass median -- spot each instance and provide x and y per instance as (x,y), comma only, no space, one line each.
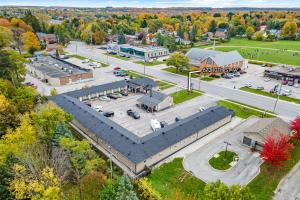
(184,95)
(268,94)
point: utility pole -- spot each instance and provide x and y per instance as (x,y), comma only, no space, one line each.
(278,93)
(214,47)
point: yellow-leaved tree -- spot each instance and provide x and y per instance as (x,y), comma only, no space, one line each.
(30,42)
(26,186)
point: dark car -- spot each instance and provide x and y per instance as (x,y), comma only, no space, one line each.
(163,124)
(112,96)
(124,93)
(177,119)
(133,114)
(108,114)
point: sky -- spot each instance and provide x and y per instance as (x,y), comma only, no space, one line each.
(155,3)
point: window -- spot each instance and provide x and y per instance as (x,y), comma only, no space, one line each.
(247,141)
(209,61)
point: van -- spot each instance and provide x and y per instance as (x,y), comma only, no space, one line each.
(155,124)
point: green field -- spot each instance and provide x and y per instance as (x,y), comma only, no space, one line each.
(171,177)
(266,182)
(184,95)
(242,111)
(153,63)
(223,161)
(267,55)
(280,44)
(268,94)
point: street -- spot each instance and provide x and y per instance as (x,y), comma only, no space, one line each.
(285,109)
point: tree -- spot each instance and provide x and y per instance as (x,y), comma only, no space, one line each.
(144,41)
(145,190)
(259,36)
(26,186)
(32,21)
(109,190)
(53,92)
(9,117)
(276,149)
(170,43)
(82,157)
(295,126)
(178,60)
(212,26)
(289,29)
(125,190)
(6,37)
(218,190)
(12,67)
(121,38)
(30,42)
(98,37)
(249,32)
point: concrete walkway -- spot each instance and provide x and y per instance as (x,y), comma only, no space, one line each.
(288,188)
(242,173)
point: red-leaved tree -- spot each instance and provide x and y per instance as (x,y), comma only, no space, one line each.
(276,149)
(295,126)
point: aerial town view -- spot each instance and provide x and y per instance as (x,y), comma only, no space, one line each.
(149,100)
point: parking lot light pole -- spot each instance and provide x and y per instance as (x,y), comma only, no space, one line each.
(227,143)
(278,93)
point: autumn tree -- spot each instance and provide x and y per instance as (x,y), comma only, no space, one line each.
(30,42)
(276,148)
(125,189)
(218,190)
(145,190)
(249,32)
(289,29)
(295,126)
(98,37)
(9,117)
(6,37)
(178,60)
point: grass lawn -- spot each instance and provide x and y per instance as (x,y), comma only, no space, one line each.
(184,73)
(153,63)
(207,78)
(280,44)
(164,85)
(78,57)
(183,95)
(273,56)
(242,111)
(268,94)
(116,56)
(171,177)
(222,162)
(266,182)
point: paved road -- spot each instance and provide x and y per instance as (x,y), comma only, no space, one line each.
(242,173)
(288,188)
(286,109)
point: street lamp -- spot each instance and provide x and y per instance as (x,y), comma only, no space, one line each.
(227,144)
(278,93)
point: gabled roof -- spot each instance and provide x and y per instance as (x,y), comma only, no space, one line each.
(152,99)
(197,55)
(138,149)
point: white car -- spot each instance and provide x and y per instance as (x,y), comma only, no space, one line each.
(201,109)
(98,108)
(104,98)
(267,79)
(248,85)
(296,85)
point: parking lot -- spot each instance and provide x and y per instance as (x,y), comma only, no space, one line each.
(255,77)
(142,126)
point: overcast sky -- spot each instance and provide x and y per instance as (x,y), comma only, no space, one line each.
(156,3)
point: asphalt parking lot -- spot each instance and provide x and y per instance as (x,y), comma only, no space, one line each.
(141,127)
(255,76)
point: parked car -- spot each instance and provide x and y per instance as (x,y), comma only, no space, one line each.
(201,109)
(85,61)
(104,98)
(264,65)
(242,72)
(108,114)
(267,79)
(121,73)
(118,95)
(296,85)
(29,83)
(163,124)
(248,85)
(112,96)
(98,108)
(284,82)
(155,124)
(133,114)
(124,93)
(237,74)
(117,68)
(226,76)
(88,104)
(290,83)
(260,88)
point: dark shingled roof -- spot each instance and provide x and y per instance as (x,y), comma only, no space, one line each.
(138,149)
(152,99)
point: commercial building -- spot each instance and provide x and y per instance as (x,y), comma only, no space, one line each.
(155,101)
(215,62)
(49,40)
(132,153)
(280,72)
(254,136)
(146,52)
(57,72)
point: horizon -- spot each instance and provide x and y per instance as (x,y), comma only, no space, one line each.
(156,3)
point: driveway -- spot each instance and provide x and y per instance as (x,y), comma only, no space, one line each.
(242,173)
(288,188)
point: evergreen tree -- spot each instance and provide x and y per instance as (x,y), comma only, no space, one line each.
(32,21)
(144,24)
(121,38)
(61,130)
(213,26)
(180,31)
(125,190)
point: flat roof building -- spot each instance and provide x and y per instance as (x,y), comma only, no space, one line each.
(132,153)
(216,62)
(57,72)
(146,52)
(282,72)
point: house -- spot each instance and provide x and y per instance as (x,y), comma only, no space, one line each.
(263,28)
(49,40)
(254,136)
(221,33)
(155,101)
(181,41)
(215,62)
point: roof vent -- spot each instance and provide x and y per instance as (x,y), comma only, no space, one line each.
(212,111)
(143,142)
(163,133)
(111,128)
